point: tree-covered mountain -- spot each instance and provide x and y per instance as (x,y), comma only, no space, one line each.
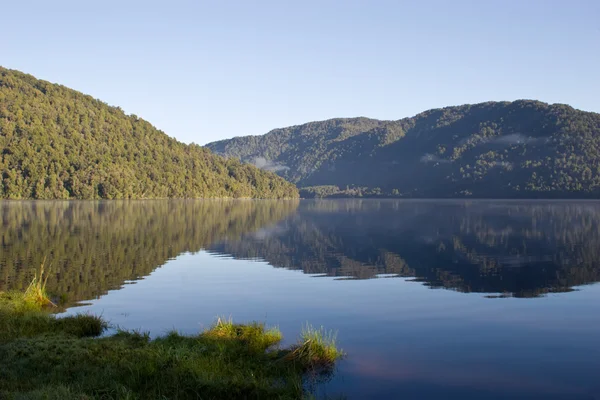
(497,149)
(57,143)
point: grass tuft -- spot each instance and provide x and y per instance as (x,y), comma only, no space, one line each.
(316,349)
(24,315)
(254,336)
(80,325)
(35,294)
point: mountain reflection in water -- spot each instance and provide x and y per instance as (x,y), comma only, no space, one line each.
(521,249)
(92,247)
(508,248)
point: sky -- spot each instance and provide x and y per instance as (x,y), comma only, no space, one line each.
(209,70)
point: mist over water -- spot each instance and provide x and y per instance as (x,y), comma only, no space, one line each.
(431,299)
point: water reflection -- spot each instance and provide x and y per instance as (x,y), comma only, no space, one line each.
(521,249)
(403,340)
(93,247)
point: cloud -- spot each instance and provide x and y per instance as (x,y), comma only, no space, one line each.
(513,138)
(432,158)
(504,140)
(268,165)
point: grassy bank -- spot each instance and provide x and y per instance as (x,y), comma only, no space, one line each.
(44,357)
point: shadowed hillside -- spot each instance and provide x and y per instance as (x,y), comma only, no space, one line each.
(520,149)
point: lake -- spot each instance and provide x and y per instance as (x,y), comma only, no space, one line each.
(430,299)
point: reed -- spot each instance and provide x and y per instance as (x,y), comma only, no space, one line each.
(36,294)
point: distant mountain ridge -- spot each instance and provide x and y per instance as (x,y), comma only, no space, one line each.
(520,149)
(57,143)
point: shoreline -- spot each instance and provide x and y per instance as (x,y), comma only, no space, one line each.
(65,358)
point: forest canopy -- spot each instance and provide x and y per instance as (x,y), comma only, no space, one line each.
(519,149)
(57,143)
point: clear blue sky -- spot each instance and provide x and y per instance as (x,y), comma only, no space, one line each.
(208,70)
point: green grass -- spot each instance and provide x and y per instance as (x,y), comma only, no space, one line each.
(35,294)
(22,316)
(44,357)
(316,349)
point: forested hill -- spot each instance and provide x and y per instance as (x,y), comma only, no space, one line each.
(497,149)
(57,143)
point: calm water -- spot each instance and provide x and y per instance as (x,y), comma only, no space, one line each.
(431,299)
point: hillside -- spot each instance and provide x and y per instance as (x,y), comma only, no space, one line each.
(497,149)
(57,143)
